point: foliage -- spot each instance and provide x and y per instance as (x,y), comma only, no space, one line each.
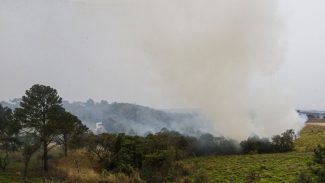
(280,143)
(38,114)
(30,145)
(284,142)
(70,128)
(318,166)
(9,129)
(304,178)
(207,145)
(256,145)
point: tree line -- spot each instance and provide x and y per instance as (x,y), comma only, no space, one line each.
(41,123)
(278,144)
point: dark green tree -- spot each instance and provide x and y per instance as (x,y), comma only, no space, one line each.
(37,113)
(71,128)
(9,129)
(285,142)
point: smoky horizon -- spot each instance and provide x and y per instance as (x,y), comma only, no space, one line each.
(246,65)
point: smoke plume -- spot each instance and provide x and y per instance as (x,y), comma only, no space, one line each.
(220,56)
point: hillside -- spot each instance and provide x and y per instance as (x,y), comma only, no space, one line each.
(310,137)
(132,118)
(268,168)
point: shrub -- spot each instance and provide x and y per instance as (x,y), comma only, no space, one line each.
(304,178)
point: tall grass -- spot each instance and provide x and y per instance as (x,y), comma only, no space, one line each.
(78,168)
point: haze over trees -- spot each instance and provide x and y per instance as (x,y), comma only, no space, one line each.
(132,118)
(279,143)
(40,123)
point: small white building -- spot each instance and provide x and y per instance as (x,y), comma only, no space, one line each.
(100,128)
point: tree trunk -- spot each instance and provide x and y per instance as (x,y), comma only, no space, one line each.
(45,167)
(26,167)
(4,161)
(65,145)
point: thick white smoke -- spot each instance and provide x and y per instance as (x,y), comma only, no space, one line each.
(219,56)
(215,55)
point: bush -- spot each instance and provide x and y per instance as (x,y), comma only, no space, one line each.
(304,178)
(253,177)
(256,145)
(280,143)
(201,177)
(285,142)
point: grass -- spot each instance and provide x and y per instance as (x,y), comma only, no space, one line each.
(13,175)
(76,168)
(266,167)
(14,171)
(263,168)
(310,137)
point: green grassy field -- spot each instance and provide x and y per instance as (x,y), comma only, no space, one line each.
(268,167)
(271,168)
(13,174)
(310,137)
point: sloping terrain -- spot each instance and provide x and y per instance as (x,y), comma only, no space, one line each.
(132,118)
(268,168)
(310,137)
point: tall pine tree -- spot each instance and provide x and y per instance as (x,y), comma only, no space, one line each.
(37,114)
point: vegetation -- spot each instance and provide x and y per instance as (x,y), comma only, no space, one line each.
(280,143)
(9,129)
(281,167)
(38,113)
(310,137)
(42,132)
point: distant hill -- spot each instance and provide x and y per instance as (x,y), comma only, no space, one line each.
(132,118)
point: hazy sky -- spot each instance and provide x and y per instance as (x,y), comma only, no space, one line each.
(85,49)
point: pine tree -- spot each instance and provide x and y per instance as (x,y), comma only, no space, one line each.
(38,114)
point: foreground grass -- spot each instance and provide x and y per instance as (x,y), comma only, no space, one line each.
(261,167)
(76,168)
(13,175)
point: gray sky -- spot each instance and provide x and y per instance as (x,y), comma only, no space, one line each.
(85,49)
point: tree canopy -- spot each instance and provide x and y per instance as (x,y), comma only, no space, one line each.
(38,114)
